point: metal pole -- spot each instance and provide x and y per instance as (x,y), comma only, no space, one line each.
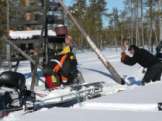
(108,66)
(45,32)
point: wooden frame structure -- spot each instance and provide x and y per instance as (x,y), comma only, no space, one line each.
(44,37)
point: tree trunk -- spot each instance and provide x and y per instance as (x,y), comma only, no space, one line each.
(132,23)
(160,19)
(142,27)
(8,29)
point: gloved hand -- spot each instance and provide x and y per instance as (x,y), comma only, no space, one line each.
(56,68)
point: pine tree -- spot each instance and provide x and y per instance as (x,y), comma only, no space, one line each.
(2,17)
(90,14)
(2,22)
(95,19)
(79,11)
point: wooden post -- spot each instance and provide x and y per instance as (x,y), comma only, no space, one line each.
(33,72)
(8,48)
(108,66)
(34,68)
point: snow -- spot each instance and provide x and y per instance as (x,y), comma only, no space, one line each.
(150,93)
(118,107)
(62,114)
(137,99)
(28,34)
(113,93)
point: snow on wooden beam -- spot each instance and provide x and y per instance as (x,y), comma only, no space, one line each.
(28,34)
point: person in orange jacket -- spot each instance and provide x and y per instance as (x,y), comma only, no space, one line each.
(67,66)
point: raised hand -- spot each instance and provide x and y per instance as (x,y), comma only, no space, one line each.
(124,46)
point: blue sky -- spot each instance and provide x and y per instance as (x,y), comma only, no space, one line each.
(110,5)
(115,4)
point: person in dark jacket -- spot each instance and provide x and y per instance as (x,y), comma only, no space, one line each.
(159,51)
(146,60)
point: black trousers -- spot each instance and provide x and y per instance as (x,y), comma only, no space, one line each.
(153,73)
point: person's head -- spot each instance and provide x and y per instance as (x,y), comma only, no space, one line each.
(61,30)
(132,49)
(68,40)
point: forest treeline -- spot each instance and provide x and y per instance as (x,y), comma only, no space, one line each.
(138,21)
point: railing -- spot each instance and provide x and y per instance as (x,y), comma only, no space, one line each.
(92,91)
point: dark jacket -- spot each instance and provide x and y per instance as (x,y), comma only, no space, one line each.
(142,57)
(159,51)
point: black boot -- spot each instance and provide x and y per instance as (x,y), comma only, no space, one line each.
(123,81)
(143,83)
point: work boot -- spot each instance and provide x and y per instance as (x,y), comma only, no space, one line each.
(123,81)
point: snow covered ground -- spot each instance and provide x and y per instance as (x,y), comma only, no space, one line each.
(93,71)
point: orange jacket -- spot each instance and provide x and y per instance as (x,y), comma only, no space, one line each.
(58,67)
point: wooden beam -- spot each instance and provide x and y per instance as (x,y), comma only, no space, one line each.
(101,57)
